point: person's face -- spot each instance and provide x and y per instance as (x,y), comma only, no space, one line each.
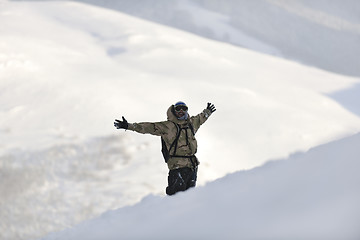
(180,111)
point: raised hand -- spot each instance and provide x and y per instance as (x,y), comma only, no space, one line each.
(121,124)
(211,107)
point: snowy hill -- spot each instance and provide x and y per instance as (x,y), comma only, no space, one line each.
(312,195)
(68,69)
(311,32)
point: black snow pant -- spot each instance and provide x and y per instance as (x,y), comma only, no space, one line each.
(181,179)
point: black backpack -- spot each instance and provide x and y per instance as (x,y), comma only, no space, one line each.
(165,151)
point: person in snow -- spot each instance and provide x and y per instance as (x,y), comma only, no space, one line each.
(178,142)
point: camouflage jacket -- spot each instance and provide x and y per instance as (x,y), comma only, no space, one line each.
(186,145)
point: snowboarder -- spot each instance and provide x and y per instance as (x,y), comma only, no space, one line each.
(178,142)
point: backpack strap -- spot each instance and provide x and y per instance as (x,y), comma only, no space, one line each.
(164,150)
(175,142)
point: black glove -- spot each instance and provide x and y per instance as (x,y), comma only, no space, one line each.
(121,124)
(211,107)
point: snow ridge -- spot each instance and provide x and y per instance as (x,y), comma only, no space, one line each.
(310,195)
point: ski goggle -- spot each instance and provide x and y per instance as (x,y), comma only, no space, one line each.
(181,107)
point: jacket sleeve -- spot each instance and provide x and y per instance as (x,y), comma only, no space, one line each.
(199,119)
(156,128)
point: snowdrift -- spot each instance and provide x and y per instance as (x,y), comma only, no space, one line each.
(312,195)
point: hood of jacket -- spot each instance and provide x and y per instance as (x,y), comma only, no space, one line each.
(171,116)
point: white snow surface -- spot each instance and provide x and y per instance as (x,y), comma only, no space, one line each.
(68,69)
(321,33)
(312,195)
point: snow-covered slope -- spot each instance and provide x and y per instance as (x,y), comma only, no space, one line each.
(312,195)
(67,70)
(322,33)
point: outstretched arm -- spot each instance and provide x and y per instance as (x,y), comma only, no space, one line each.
(157,128)
(199,119)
